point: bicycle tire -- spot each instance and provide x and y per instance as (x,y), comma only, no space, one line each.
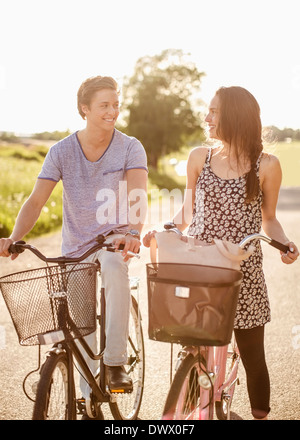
(185,397)
(54,389)
(126,406)
(222,406)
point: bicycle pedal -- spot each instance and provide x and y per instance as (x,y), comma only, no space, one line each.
(121,391)
(81,406)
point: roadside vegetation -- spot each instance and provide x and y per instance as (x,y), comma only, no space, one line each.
(20,166)
(162,107)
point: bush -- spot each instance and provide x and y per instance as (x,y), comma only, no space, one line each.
(19,152)
(18,174)
(19,168)
(162,180)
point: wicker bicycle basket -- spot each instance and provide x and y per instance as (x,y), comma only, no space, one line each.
(192,304)
(52,303)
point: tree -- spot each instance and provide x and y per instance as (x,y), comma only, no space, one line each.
(160,100)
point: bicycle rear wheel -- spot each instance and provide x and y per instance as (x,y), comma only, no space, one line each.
(126,406)
(186,400)
(55,398)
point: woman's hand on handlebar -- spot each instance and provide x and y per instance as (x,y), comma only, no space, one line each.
(147,238)
(4,246)
(290,256)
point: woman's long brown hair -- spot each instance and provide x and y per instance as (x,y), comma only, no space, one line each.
(240,126)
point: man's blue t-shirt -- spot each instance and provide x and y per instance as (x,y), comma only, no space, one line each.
(94,193)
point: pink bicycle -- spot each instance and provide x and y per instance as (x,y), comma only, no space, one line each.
(180,296)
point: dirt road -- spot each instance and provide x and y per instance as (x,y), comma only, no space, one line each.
(282,335)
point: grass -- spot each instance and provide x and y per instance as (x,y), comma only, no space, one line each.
(20,166)
(287,153)
(289,157)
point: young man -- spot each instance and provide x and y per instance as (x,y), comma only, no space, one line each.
(101,168)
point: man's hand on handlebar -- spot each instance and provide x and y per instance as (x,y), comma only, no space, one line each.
(4,245)
(131,245)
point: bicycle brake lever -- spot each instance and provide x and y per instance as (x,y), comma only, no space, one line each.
(171,227)
(120,249)
(132,254)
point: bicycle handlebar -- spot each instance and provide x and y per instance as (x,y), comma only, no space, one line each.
(19,246)
(276,244)
(170,226)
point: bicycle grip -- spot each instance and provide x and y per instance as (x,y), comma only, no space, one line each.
(16,247)
(121,247)
(282,247)
(169,225)
(112,248)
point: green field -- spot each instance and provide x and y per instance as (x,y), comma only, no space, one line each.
(20,166)
(289,156)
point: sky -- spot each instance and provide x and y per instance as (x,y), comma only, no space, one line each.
(48,48)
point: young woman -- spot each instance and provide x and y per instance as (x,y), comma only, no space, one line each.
(234,189)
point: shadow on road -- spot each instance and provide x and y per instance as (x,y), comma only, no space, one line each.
(235,416)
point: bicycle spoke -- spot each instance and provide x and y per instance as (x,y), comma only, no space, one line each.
(57,403)
(126,405)
(52,398)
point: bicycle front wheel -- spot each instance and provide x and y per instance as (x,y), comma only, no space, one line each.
(126,406)
(186,399)
(55,399)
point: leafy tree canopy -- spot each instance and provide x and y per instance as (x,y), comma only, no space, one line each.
(161,102)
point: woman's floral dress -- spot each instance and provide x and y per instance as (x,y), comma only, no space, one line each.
(220,212)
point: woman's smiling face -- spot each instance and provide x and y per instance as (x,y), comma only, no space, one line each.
(213,116)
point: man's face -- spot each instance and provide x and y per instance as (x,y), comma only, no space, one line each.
(103,110)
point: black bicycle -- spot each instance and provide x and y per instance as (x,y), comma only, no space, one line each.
(56,304)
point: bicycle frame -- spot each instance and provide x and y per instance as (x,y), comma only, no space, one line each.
(71,347)
(76,348)
(214,384)
(201,381)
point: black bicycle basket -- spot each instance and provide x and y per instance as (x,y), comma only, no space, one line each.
(52,303)
(192,304)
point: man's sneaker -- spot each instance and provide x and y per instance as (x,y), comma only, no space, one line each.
(118,380)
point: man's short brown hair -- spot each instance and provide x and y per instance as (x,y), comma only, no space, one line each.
(90,86)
